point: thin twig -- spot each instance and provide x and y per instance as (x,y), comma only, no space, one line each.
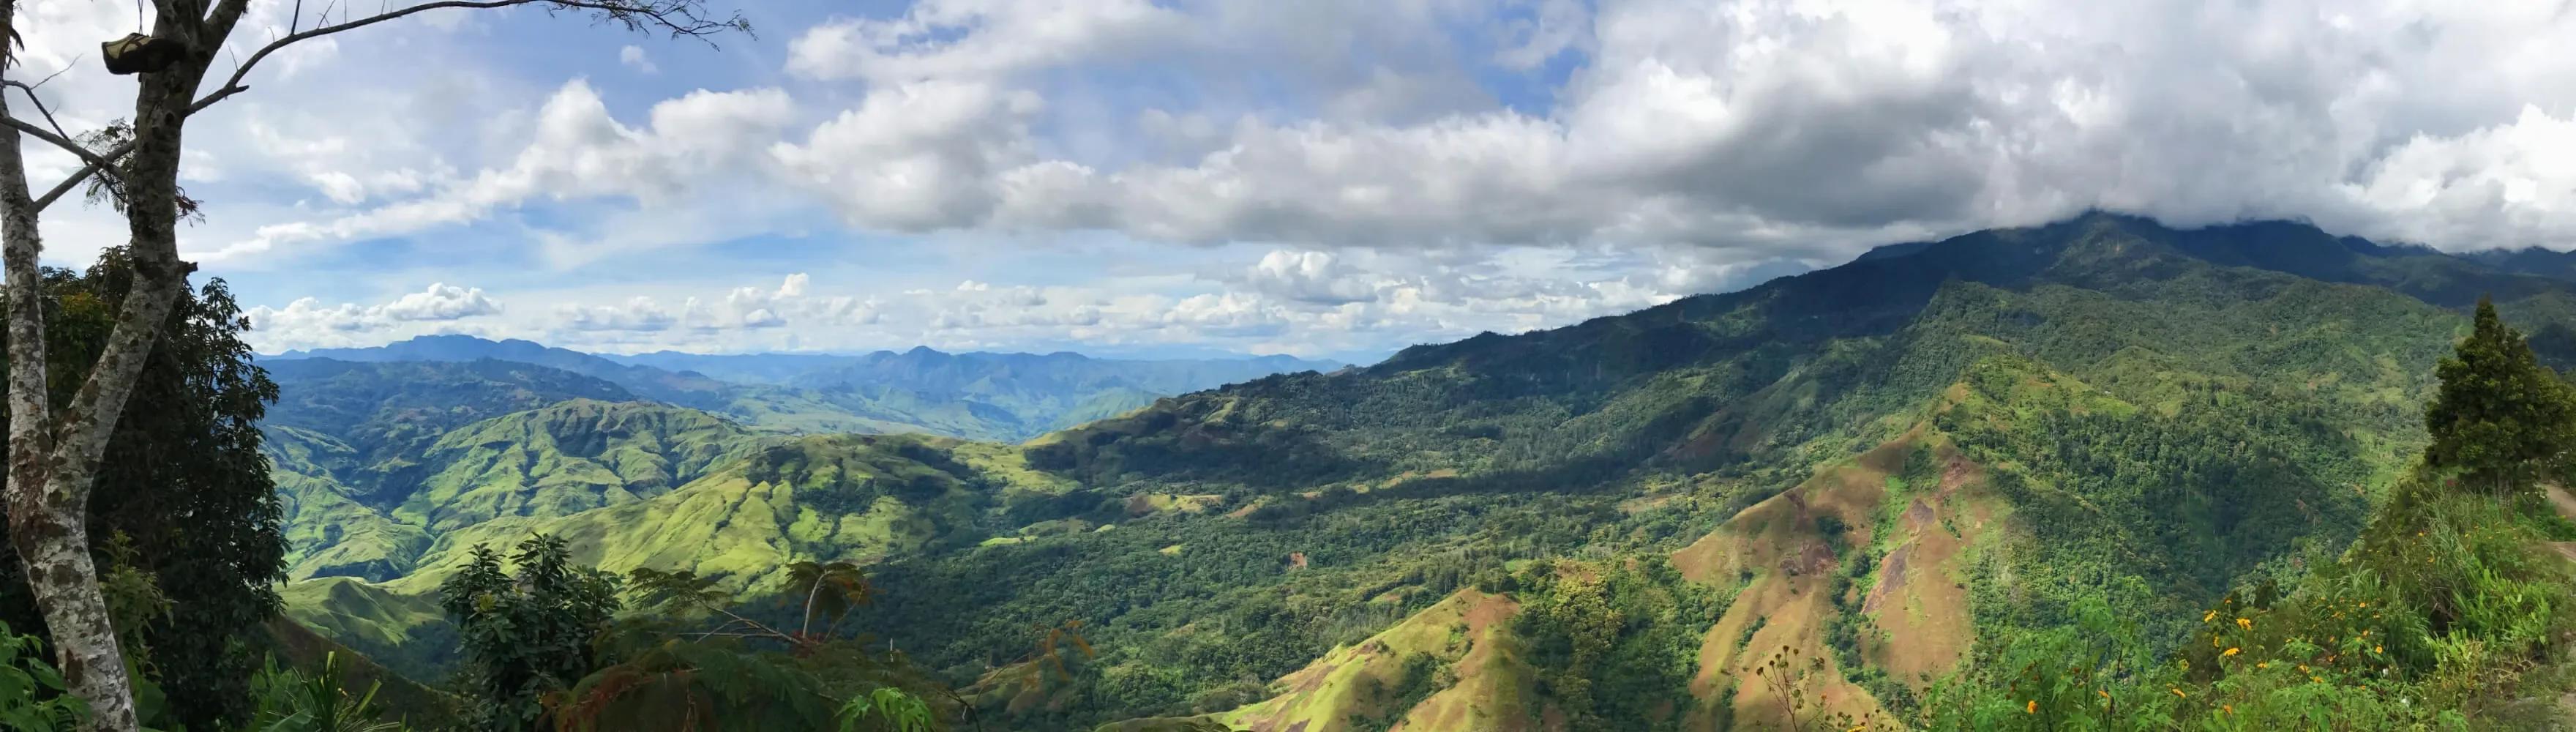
(57,72)
(40,104)
(89,167)
(773,632)
(817,591)
(680,22)
(718,630)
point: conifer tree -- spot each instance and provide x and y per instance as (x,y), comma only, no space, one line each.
(2500,417)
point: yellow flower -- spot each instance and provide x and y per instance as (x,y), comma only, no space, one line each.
(2378,649)
(2106,693)
(2231,708)
(2228,652)
(2263,664)
(2178,693)
(2243,623)
(2033,708)
(2212,614)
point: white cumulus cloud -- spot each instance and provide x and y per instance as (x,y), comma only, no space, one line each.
(308,323)
(633,57)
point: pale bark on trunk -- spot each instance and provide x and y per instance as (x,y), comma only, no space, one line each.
(47,515)
(53,458)
(47,519)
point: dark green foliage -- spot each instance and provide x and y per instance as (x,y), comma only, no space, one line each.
(1416,683)
(691,659)
(2092,674)
(886,708)
(2447,609)
(1613,644)
(2152,511)
(527,635)
(1230,579)
(1745,638)
(303,654)
(317,702)
(184,485)
(1831,527)
(2500,416)
(2444,616)
(31,691)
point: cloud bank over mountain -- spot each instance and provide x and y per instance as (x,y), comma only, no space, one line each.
(1317,178)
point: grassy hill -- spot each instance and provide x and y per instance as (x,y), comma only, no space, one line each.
(601,475)
(565,458)
(1865,471)
(2142,423)
(345,441)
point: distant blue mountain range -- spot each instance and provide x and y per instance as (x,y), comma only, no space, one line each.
(977,395)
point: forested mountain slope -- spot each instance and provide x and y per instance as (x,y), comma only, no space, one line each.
(1610,525)
(375,456)
(2141,422)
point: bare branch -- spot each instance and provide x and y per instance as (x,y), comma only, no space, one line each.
(57,72)
(40,103)
(727,630)
(114,153)
(763,629)
(681,17)
(95,162)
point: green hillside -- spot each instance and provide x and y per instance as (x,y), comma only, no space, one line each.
(363,423)
(559,459)
(346,443)
(853,497)
(766,503)
(565,458)
(2046,357)
(1877,472)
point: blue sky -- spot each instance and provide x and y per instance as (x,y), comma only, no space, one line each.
(1332,178)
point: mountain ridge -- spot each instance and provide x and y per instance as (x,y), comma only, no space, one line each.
(1963,411)
(977,395)
(462,347)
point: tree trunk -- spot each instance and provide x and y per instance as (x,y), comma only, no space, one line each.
(47,517)
(54,458)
